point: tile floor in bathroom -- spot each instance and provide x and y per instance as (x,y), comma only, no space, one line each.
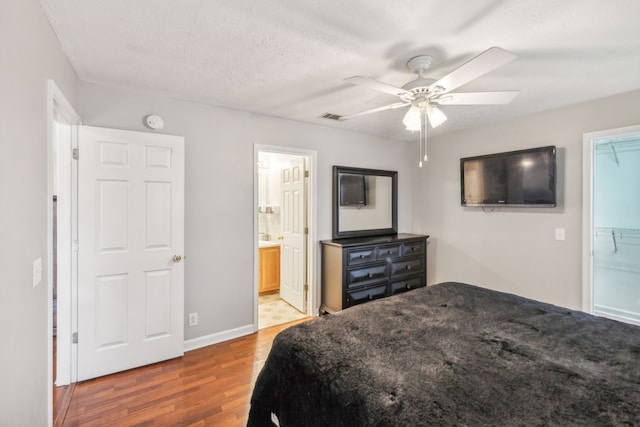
(273,310)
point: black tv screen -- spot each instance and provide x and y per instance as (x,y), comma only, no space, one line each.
(525,178)
(353,190)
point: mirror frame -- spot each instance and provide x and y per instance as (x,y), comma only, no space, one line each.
(337,234)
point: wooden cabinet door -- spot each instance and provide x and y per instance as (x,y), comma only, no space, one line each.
(269,267)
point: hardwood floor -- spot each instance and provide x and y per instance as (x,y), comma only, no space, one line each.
(210,386)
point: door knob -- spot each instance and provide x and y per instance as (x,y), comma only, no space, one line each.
(177,258)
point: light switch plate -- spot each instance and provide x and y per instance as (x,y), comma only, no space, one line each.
(559,233)
(37,272)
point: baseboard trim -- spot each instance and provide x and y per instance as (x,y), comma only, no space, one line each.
(216,338)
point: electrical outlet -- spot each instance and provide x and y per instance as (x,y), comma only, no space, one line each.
(193,319)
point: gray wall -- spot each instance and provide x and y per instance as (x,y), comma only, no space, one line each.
(29,55)
(219,187)
(514,249)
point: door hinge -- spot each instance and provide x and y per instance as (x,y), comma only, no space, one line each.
(306,230)
(75,246)
(306,287)
(306,174)
(75,153)
(74,338)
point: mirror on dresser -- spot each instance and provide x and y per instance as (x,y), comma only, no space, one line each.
(365,202)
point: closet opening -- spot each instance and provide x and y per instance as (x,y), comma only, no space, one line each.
(612,224)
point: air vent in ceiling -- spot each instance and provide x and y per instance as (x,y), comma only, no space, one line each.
(331,116)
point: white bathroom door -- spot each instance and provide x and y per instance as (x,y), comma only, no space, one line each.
(130,244)
(293,246)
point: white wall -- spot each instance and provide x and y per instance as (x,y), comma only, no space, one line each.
(513,249)
(29,55)
(219,187)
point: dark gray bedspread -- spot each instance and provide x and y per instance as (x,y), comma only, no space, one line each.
(452,354)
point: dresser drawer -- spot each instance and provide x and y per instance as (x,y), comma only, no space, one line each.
(366,275)
(365,295)
(388,251)
(412,248)
(361,255)
(405,285)
(406,267)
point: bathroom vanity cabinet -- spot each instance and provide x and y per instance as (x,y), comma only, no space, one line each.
(269,269)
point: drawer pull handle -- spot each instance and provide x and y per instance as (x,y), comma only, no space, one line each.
(389,252)
(413,248)
(362,256)
(408,286)
(370,275)
(408,267)
(370,297)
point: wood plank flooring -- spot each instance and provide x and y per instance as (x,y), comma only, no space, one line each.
(210,386)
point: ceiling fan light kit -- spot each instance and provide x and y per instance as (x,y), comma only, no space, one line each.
(436,116)
(412,119)
(423,93)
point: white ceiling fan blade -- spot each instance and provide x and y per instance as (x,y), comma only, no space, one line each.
(375,110)
(487,61)
(376,85)
(476,98)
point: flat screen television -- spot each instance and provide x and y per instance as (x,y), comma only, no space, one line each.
(353,190)
(523,178)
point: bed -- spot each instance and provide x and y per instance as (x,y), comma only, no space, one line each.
(451,354)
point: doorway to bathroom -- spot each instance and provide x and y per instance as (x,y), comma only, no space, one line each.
(612,224)
(283,224)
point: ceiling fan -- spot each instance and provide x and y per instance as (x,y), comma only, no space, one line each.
(422,94)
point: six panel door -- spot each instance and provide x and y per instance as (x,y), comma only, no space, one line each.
(131,240)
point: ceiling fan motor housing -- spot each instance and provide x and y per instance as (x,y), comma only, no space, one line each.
(419,88)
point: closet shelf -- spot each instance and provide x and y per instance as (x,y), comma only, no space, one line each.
(620,232)
(617,233)
(616,147)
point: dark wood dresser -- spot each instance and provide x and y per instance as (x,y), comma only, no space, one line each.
(362,269)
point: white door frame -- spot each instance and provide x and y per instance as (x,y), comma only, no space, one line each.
(56,101)
(588,141)
(313,302)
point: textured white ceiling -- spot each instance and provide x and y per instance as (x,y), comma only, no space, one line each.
(288,58)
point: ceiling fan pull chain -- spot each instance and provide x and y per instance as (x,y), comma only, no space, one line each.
(424,123)
(420,147)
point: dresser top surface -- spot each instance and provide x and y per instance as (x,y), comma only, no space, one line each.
(374,240)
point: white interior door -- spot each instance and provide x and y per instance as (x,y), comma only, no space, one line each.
(293,246)
(130,228)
